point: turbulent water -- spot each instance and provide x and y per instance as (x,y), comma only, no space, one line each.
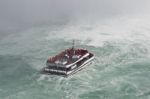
(121,69)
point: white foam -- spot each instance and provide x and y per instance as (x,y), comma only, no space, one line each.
(116,29)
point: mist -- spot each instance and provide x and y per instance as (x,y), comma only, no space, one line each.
(17,15)
(117,32)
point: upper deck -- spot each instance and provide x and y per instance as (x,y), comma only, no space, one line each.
(67,57)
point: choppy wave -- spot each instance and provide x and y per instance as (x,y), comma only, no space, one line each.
(120,71)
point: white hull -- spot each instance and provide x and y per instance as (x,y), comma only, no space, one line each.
(68,73)
(80,67)
(68,62)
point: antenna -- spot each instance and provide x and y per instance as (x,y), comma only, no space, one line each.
(73,44)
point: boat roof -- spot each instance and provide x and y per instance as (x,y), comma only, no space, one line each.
(68,56)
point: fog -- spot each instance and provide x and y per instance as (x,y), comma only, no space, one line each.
(16,15)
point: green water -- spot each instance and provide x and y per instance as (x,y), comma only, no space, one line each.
(121,69)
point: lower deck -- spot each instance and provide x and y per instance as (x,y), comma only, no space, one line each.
(54,70)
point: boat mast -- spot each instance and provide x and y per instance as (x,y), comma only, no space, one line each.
(73,44)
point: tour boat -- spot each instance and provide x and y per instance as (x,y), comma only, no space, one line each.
(68,62)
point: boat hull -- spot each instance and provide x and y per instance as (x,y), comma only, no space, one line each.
(48,71)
